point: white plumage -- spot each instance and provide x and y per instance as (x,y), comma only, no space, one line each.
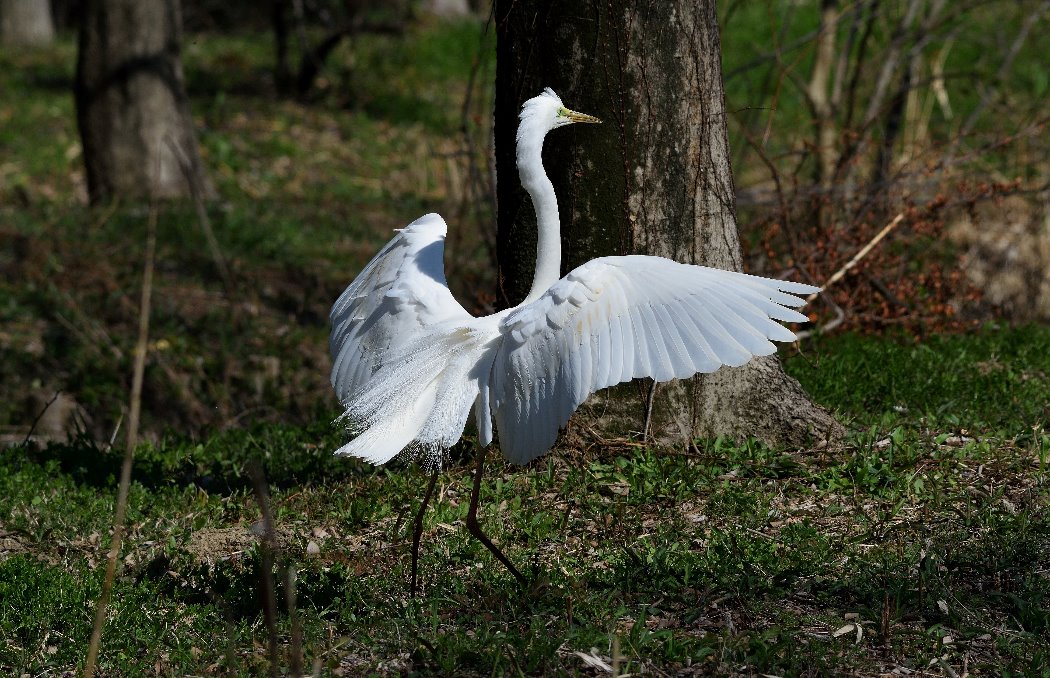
(410,363)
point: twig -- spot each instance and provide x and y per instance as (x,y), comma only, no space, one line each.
(141,348)
(774,174)
(858,256)
(39,417)
(840,316)
(650,401)
(116,430)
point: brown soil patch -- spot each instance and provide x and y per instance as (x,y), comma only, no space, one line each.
(209,545)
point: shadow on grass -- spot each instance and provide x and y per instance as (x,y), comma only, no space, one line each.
(217,466)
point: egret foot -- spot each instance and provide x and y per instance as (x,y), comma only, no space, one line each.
(417,529)
(472,520)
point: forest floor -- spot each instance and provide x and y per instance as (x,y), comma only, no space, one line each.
(918,546)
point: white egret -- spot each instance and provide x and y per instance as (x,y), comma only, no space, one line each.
(410,362)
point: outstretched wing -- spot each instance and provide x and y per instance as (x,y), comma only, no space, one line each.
(618,318)
(400,292)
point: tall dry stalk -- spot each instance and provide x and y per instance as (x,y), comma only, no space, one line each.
(135,408)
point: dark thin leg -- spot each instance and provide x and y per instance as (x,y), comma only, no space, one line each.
(472,520)
(417,529)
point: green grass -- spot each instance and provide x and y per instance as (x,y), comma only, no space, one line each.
(993,380)
(928,529)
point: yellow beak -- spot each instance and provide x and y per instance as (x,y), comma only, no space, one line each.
(580,117)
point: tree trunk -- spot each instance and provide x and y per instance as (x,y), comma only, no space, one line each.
(132,109)
(654,179)
(26,23)
(282,71)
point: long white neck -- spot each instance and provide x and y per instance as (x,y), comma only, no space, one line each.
(545,202)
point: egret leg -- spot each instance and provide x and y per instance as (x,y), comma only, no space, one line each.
(472,519)
(417,528)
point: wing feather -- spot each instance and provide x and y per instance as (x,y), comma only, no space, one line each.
(401,291)
(644,365)
(741,330)
(658,360)
(680,362)
(616,318)
(603,332)
(725,349)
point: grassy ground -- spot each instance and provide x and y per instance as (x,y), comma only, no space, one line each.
(922,544)
(308,193)
(919,545)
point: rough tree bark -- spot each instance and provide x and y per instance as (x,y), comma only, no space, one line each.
(26,23)
(132,109)
(654,179)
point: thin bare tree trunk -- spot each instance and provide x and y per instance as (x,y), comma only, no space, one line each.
(26,23)
(823,105)
(132,109)
(654,179)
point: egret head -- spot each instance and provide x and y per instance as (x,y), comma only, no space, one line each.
(546,112)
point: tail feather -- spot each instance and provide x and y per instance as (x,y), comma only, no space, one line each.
(421,400)
(377,445)
(389,433)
